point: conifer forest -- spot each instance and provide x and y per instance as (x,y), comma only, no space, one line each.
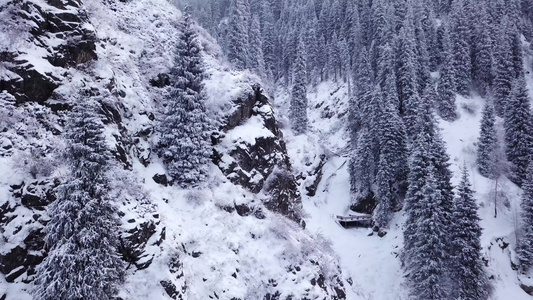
(266,149)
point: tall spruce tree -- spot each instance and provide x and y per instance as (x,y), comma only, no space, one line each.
(419,163)
(257,58)
(446,85)
(483,60)
(298,108)
(268,38)
(470,280)
(392,165)
(503,68)
(185,128)
(238,46)
(518,130)
(427,266)
(82,234)
(406,75)
(524,247)
(363,166)
(428,151)
(488,143)
(386,76)
(460,36)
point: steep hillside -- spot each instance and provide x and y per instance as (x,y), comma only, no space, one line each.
(239,236)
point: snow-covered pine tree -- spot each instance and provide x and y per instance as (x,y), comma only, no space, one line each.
(430,29)
(423,61)
(468,275)
(419,163)
(362,95)
(406,74)
(185,129)
(257,59)
(446,84)
(482,61)
(335,62)
(363,166)
(82,234)
(268,38)
(382,30)
(386,76)
(345,67)
(238,46)
(298,107)
(427,149)
(524,247)
(488,143)
(392,166)
(503,67)
(427,267)
(518,130)
(460,36)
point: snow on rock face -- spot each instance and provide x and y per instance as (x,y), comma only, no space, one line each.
(222,242)
(56,35)
(251,153)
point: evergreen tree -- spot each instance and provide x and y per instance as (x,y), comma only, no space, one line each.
(430,29)
(461,48)
(363,78)
(257,59)
(298,108)
(419,162)
(488,143)
(470,281)
(407,75)
(382,30)
(335,62)
(185,128)
(518,130)
(524,247)
(423,60)
(386,76)
(392,165)
(482,61)
(503,69)
(428,149)
(238,46)
(81,236)
(362,165)
(439,157)
(446,91)
(427,266)
(268,38)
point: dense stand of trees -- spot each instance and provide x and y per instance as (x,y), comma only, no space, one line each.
(405,62)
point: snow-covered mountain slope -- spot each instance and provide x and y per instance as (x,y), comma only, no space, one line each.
(237,237)
(241,235)
(371,262)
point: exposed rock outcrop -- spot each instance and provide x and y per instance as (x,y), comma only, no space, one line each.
(61,30)
(257,158)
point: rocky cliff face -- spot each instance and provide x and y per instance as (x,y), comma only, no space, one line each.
(251,152)
(231,240)
(58,30)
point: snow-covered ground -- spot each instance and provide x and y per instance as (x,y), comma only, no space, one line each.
(372,262)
